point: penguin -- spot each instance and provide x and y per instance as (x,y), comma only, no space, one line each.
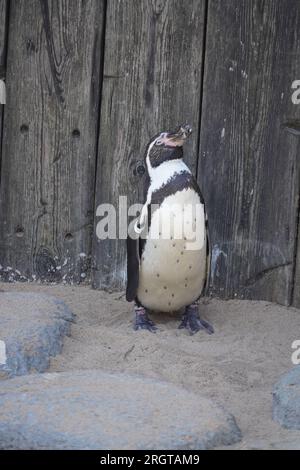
(168,257)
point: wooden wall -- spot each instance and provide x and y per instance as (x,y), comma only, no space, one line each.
(89,82)
(248,165)
(50,138)
(3,49)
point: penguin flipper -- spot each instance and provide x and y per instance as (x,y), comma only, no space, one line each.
(133,266)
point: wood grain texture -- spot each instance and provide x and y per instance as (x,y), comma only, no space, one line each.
(3,37)
(296,280)
(50,139)
(248,159)
(3,26)
(151,82)
(3,34)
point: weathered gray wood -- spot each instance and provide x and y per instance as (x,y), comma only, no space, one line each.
(152,80)
(296,287)
(50,139)
(3,31)
(248,158)
(3,25)
(3,35)
(296,280)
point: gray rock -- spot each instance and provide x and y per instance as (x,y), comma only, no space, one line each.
(99,410)
(32,327)
(286,399)
(268,444)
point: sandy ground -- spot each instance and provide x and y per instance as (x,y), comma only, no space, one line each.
(237,366)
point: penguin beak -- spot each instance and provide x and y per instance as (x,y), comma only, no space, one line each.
(177,138)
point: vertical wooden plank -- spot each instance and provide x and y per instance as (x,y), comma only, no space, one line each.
(50,139)
(248,158)
(296,287)
(152,81)
(3,25)
(3,35)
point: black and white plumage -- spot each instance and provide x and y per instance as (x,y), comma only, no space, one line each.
(164,272)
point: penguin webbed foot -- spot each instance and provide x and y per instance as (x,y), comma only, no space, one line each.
(192,321)
(142,321)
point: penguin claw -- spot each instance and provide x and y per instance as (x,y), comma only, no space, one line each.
(193,323)
(143,322)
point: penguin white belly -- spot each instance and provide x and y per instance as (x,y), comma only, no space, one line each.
(173,264)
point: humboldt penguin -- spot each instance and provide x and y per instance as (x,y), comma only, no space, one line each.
(167,245)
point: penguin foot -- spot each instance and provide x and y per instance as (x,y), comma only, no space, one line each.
(142,321)
(192,321)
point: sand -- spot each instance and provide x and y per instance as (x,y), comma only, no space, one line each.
(237,366)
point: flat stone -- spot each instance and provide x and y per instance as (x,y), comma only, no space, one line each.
(98,410)
(286,399)
(32,328)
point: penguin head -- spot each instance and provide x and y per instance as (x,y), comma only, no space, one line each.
(167,146)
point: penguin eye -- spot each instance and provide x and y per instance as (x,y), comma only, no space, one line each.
(158,142)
